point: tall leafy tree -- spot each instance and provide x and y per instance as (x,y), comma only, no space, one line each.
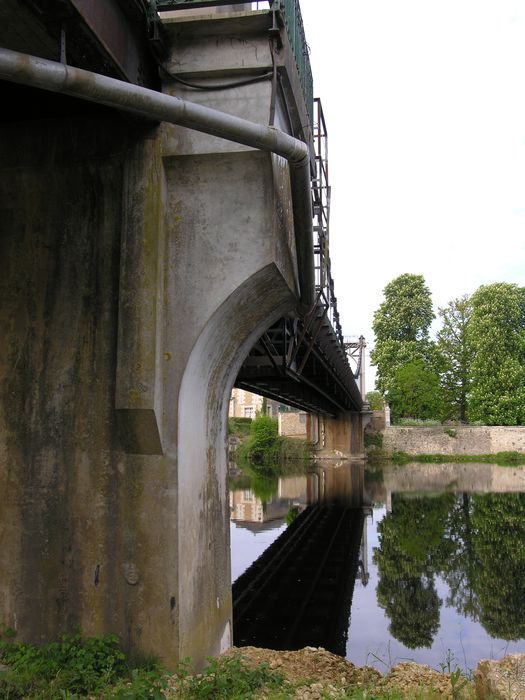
(456,356)
(496,339)
(401,325)
(375,399)
(415,392)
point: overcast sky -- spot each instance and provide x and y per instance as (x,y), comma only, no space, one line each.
(425,108)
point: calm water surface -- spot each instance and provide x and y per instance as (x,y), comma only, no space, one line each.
(440,571)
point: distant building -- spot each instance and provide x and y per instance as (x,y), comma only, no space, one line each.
(293,424)
(246,404)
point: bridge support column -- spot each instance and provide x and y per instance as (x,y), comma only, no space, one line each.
(134,283)
(338,438)
(138,266)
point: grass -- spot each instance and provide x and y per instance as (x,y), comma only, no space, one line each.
(228,678)
(416,421)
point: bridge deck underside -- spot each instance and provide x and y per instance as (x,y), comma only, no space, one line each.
(301,362)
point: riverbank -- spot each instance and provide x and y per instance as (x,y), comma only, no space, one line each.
(96,669)
(316,674)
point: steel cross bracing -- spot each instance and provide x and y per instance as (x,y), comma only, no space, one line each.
(302,360)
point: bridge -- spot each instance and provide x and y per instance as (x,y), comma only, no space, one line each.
(164,235)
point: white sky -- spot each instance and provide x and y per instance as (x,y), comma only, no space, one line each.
(425,109)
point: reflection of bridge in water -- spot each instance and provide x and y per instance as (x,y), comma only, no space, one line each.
(299,591)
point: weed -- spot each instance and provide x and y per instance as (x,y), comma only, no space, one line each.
(72,668)
(451,432)
(501,458)
(373,439)
(458,680)
(228,679)
(416,421)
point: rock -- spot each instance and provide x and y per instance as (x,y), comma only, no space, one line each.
(413,680)
(501,680)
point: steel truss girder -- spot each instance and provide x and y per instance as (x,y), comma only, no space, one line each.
(299,361)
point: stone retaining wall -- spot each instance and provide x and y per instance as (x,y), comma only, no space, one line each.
(463,439)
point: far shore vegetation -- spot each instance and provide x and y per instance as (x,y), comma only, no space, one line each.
(472,372)
(261,445)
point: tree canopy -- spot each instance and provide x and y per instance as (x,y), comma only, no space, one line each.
(375,399)
(402,345)
(455,356)
(406,313)
(479,353)
(415,392)
(496,341)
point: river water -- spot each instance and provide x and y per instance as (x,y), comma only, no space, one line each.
(427,563)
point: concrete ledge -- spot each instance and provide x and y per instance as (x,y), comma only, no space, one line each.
(461,439)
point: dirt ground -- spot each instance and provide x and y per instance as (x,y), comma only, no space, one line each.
(328,674)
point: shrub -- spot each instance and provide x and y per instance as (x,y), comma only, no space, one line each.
(373,439)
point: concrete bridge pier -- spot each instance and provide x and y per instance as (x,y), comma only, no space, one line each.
(131,295)
(341,437)
(138,266)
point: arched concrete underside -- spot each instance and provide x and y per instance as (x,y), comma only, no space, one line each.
(203,511)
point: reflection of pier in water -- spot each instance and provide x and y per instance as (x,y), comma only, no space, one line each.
(299,592)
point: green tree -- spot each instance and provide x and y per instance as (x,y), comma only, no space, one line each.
(375,400)
(401,325)
(496,339)
(456,356)
(415,392)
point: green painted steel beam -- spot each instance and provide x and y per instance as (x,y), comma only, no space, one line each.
(164,5)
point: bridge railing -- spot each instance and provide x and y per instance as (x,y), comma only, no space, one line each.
(321,212)
(293,21)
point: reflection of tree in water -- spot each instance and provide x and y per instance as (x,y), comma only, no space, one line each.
(411,549)
(413,608)
(477,543)
(498,521)
(264,483)
(459,569)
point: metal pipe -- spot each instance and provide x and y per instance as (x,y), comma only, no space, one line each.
(57,77)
